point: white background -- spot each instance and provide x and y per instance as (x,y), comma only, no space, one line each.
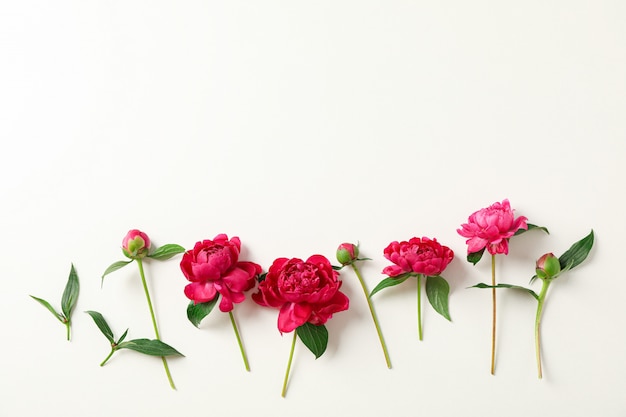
(297,125)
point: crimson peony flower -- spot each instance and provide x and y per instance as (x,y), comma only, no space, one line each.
(421,256)
(213,267)
(135,244)
(305,291)
(491,228)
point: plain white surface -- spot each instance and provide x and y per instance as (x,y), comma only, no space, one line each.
(296,126)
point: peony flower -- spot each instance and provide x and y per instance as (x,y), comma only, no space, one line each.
(421,256)
(548,266)
(213,267)
(347,253)
(305,291)
(136,244)
(491,228)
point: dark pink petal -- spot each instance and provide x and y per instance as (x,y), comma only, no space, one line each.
(200,293)
(292,316)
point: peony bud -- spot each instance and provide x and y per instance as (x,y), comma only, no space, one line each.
(347,253)
(548,266)
(136,244)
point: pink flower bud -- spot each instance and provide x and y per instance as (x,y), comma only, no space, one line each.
(136,244)
(548,266)
(347,253)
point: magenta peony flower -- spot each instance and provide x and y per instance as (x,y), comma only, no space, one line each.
(305,291)
(135,244)
(213,267)
(491,228)
(421,256)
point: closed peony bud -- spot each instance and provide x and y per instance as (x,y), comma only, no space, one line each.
(347,253)
(136,244)
(548,266)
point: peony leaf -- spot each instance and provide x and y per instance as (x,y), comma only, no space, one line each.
(531,227)
(166,252)
(390,282)
(102,325)
(50,308)
(437,290)
(577,252)
(196,312)
(474,257)
(314,337)
(514,287)
(121,339)
(114,267)
(150,347)
(70,294)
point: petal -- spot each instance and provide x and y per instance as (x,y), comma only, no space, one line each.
(292,316)
(200,292)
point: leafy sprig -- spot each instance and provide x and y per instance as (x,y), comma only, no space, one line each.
(68,301)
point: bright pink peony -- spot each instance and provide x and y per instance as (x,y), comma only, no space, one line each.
(420,256)
(135,244)
(492,227)
(304,292)
(213,267)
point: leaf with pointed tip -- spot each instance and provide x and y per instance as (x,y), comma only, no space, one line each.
(437,290)
(121,339)
(166,252)
(197,312)
(314,337)
(102,325)
(152,347)
(337,268)
(70,294)
(390,282)
(474,257)
(114,267)
(577,253)
(531,227)
(514,287)
(50,308)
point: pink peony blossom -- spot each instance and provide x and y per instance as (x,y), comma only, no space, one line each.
(135,244)
(420,256)
(492,227)
(213,267)
(305,291)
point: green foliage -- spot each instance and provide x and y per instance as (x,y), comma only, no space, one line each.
(103,325)
(390,282)
(114,267)
(531,227)
(166,252)
(577,253)
(437,290)
(150,347)
(514,287)
(474,257)
(314,337)
(197,312)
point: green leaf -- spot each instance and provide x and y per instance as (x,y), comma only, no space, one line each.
(102,325)
(514,287)
(314,337)
(577,252)
(122,337)
(70,294)
(390,282)
(150,347)
(50,308)
(114,267)
(437,290)
(337,268)
(474,257)
(166,252)
(196,312)
(531,227)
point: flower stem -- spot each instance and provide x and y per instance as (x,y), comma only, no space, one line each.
(243,352)
(373,313)
(493,322)
(542,298)
(154,323)
(419,305)
(293,346)
(67,326)
(108,357)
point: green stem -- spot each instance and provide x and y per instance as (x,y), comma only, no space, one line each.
(67,326)
(154,323)
(108,357)
(419,305)
(293,346)
(243,352)
(493,321)
(373,313)
(542,298)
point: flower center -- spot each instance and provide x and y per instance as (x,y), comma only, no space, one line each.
(300,278)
